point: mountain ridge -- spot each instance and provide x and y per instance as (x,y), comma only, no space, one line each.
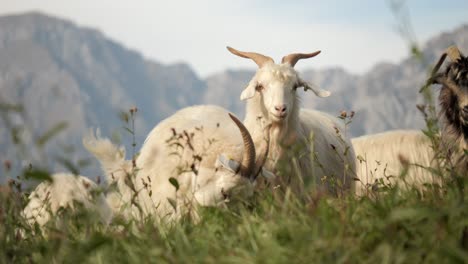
(62,72)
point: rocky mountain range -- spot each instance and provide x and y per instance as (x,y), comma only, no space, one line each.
(57,75)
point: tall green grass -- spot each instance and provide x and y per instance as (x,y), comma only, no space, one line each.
(394,226)
(426,224)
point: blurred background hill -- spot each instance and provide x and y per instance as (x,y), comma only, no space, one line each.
(57,73)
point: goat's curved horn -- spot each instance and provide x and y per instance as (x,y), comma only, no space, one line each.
(293,58)
(454,54)
(265,148)
(248,158)
(258,58)
(439,64)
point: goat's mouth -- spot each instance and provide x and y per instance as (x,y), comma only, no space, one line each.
(279,117)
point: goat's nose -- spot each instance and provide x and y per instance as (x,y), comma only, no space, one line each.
(465,109)
(281,108)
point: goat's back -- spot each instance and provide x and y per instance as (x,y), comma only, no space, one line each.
(384,155)
(176,143)
(336,156)
(64,190)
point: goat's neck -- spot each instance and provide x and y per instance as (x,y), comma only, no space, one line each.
(449,115)
(453,130)
(454,138)
(455,141)
(282,134)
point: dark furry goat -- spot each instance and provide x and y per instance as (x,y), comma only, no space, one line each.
(453,113)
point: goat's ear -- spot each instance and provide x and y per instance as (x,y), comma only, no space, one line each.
(317,91)
(227,163)
(267,174)
(249,91)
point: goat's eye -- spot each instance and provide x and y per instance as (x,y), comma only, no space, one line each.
(259,87)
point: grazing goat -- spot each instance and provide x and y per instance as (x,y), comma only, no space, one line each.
(194,157)
(63,192)
(306,146)
(453,115)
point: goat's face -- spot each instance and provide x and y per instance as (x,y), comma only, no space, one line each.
(232,178)
(275,85)
(458,73)
(454,93)
(227,183)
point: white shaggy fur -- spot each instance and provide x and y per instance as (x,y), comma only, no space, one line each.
(116,170)
(384,156)
(272,99)
(169,151)
(65,190)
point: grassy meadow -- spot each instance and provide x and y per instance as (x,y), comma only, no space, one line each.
(388,226)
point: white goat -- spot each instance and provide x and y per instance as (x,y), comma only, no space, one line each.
(199,147)
(385,156)
(271,98)
(63,192)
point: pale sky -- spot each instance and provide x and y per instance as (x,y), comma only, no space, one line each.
(353,34)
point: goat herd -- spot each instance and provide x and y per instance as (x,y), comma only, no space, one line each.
(205,156)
